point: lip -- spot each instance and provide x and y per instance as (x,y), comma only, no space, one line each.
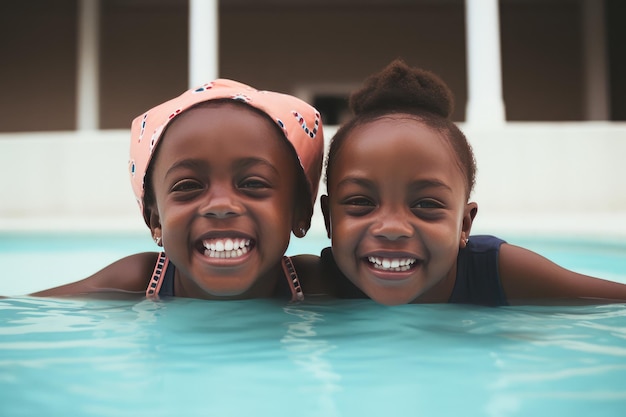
(225,248)
(391,266)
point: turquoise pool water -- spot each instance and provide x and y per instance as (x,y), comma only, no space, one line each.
(90,357)
(181,357)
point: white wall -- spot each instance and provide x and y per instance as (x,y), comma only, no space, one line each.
(541,177)
(564,178)
(66,180)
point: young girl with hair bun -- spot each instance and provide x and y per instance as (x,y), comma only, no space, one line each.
(399,177)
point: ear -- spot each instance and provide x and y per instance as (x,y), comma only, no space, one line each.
(302,219)
(471,209)
(154,222)
(326,212)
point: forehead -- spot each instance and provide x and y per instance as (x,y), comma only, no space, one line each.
(224,130)
(396,146)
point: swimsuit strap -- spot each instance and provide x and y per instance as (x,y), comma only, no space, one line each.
(154,286)
(292,279)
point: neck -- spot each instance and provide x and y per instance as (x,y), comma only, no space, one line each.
(263,287)
(441,291)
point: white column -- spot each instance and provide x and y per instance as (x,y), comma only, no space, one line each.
(597,101)
(203,41)
(485,103)
(88,95)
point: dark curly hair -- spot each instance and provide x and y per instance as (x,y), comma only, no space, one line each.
(400,89)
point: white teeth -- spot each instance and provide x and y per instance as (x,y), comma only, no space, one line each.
(226,248)
(392,264)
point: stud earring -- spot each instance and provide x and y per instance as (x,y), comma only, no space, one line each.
(157,240)
(302,232)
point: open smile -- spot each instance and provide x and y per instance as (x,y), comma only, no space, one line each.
(231,248)
(392,264)
(226,248)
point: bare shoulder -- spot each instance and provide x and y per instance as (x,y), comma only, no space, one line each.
(128,275)
(527,275)
(309,271)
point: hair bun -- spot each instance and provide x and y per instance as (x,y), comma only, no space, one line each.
(399,87)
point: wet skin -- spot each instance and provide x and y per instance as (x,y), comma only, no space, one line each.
(397,211)
(224,182)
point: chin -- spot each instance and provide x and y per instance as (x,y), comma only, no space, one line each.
(227,291)
(391,299)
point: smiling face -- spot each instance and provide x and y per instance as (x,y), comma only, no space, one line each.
(397,211)
(224,183)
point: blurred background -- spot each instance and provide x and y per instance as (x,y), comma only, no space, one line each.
(540,89)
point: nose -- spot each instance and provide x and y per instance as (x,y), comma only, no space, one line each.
(221,203)
(393,224)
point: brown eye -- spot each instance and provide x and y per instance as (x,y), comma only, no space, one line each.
(254,183)
(360,201)
(358,206)
(186,185)
(428,204)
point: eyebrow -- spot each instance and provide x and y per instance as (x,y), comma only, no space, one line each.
(429,183)
(355,181)
(185,164)
(415,185)
(239,164)
(250,162)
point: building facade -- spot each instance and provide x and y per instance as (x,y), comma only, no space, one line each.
(98,63)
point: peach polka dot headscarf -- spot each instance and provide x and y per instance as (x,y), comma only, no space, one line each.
(300,123)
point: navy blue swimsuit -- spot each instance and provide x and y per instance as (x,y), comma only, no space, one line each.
(477,274)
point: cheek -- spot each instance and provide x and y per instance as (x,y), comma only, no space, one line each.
(443,245)
(347,232)
(441,240)
(288,203)
(278,213)
(337,223)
